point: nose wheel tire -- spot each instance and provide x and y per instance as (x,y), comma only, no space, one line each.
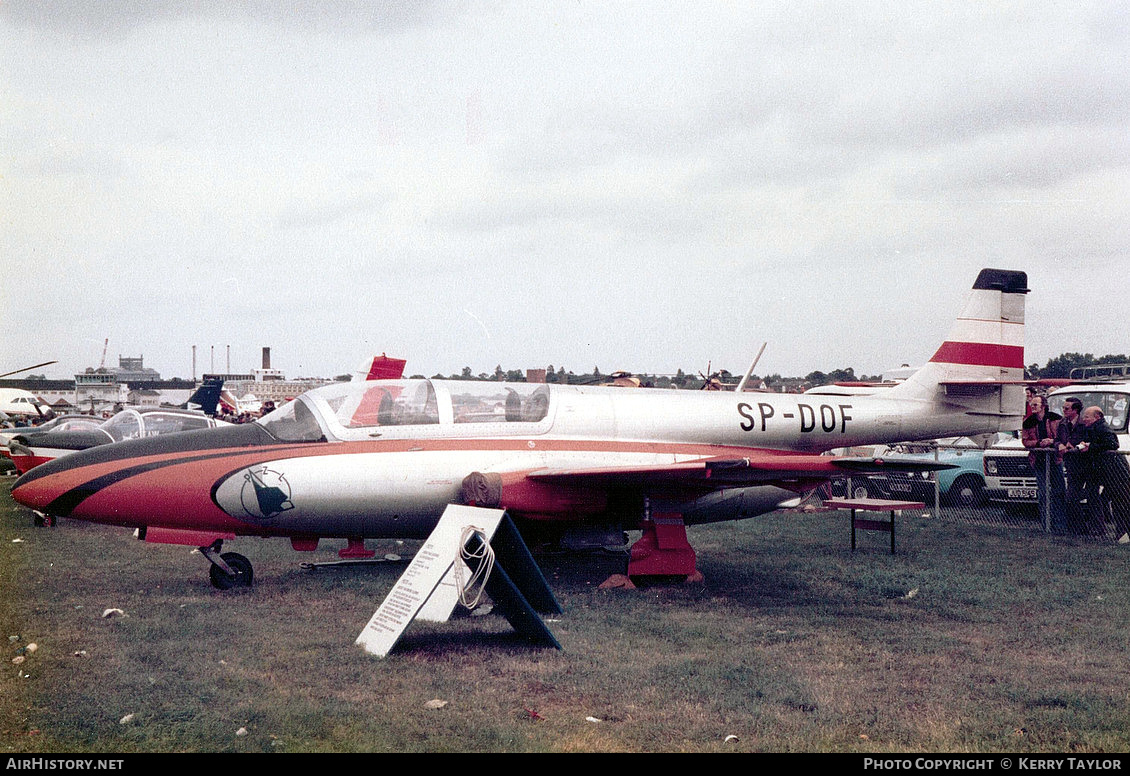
(241,575)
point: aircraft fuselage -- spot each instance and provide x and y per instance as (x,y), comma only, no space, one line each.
(396,479)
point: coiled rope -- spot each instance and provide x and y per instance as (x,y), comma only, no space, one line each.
(485,557)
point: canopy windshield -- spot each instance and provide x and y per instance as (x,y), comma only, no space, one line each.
(335,411)
(384,403)
(293,422)
(131,424)
(485,402)
(125,425)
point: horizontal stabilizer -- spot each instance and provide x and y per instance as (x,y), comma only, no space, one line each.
(990,383)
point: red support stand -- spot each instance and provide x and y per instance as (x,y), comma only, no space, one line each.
(355,550)
(663,550)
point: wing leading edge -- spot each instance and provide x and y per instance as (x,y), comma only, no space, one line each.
(711,473)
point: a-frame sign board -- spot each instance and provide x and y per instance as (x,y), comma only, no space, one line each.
(516,584)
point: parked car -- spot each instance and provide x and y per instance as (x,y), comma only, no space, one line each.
(963,485)
(1008,477)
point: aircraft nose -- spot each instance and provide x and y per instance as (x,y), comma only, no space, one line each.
(41,486)
(33,494)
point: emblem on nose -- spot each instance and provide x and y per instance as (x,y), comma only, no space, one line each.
(265,493)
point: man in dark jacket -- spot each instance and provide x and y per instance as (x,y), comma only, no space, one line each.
(1038,434)
(1104,466)
(1067,439)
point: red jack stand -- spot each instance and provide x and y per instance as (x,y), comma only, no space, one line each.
(355,550)
(663,550)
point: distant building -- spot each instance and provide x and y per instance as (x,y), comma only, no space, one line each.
(267,384)
(62,407)
(145,397)
(272,386)
(133,370)
(97,388)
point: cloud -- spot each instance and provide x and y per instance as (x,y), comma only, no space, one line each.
(639,185)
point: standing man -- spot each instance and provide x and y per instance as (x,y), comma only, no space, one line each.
(1067,440)
(1038,434)
(1104,466)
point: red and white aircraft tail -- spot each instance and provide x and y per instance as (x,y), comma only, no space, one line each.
(980,365)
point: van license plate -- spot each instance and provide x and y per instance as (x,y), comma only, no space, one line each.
(1022,493)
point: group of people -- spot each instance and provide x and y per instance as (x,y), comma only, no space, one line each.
(229,415)
(1079,473)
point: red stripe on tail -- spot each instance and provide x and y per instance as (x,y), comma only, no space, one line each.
(980,354)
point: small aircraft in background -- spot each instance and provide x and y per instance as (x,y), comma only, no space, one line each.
(35,446)
(384,458)
(18,402)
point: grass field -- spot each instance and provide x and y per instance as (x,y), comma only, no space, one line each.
(1014,641)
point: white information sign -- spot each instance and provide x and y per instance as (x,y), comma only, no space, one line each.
(443,601)
(432,565)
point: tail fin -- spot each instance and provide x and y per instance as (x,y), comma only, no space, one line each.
(381,368)
(206,397)
(980,366)
(385,368)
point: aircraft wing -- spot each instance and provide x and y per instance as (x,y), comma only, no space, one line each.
(711,473)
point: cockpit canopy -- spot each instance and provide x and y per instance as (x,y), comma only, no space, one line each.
(132,424)
(358,410)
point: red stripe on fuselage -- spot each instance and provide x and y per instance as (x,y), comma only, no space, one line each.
(174,489)
(980,354)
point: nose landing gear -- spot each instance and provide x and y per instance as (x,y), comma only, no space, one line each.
(229,569)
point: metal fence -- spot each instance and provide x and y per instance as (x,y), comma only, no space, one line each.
(1085,495)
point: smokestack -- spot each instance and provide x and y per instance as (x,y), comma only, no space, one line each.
(266,358)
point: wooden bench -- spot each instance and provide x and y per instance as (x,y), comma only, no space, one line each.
(873,505)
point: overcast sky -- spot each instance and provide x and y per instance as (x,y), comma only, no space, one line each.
(644,186)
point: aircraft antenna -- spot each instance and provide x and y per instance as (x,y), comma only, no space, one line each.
(749,372)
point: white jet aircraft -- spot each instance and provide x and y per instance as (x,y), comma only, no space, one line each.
(384,458)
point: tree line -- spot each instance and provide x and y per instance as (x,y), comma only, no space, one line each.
(1061,365)
(681,379)
(1058,367)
